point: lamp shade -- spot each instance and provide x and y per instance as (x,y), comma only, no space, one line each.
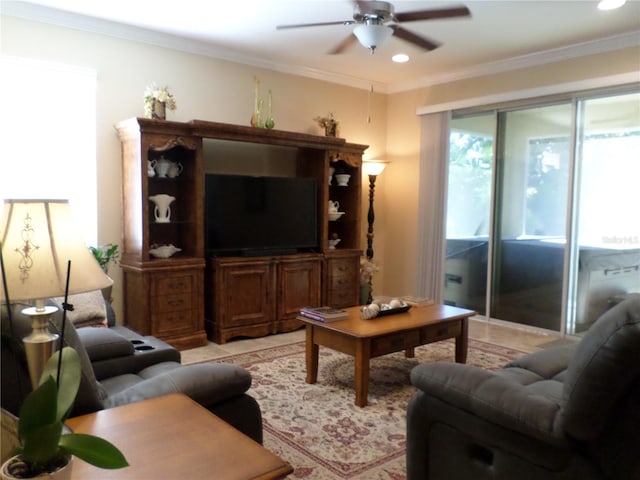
(39,238)
(372,35)
(373,167)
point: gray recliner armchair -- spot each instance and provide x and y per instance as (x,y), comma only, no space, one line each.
(567,412)
(121,367)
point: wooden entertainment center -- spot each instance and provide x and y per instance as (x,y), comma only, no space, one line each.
(189,297)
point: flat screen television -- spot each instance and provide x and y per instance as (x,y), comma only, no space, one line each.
(255,215)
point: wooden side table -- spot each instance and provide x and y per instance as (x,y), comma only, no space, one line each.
(173,437)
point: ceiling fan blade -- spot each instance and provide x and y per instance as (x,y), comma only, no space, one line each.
(342,46)
(432,14)
(322,24)
(410,37)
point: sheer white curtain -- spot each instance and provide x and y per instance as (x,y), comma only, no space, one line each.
(434,154)
(48,136)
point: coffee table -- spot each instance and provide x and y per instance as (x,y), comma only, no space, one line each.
(366,339)
(173,437)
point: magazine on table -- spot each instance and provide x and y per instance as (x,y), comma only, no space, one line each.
(324,314)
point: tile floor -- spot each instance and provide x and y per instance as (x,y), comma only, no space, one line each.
(500,333)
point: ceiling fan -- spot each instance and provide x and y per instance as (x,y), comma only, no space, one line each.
(374,27)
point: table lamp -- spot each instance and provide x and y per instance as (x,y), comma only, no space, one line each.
(38,241)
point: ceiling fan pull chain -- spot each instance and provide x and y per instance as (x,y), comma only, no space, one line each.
(369,104)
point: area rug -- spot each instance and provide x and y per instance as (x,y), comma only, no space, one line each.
(318,429)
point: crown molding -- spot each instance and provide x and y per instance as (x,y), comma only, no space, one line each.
(604,45)
(89,24)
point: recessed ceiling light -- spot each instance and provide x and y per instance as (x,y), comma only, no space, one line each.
(400,58)
(610,4)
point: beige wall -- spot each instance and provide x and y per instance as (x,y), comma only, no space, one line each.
(217,90)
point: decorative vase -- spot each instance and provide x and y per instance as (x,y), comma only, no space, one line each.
(330,130)
(63,473)
(162,210)
(159,111)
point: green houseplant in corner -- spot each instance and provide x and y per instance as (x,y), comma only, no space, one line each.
(45,449)
(105,255)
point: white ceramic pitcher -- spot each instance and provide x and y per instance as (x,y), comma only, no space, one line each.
(162,211)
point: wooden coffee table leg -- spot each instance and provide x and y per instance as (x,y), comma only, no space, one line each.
(361,374)
(462,341)
(311,353)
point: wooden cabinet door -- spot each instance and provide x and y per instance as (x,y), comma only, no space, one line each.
(298,286)
(244,299)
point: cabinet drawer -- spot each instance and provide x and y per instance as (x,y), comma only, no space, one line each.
(342,296)
(439,332)
(171,303)
(341,268)
(172,285)
(172,323)
(394,342)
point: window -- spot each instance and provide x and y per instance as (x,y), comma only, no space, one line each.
(48,128)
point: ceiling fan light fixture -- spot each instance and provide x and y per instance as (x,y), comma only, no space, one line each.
(611,4)
(371,36)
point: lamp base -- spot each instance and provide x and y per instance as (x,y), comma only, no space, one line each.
(40,344)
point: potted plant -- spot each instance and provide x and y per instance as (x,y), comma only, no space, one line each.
(330,125)
(105,255)
(157,100)
(45,449)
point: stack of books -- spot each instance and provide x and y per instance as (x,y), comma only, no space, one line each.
(324,314)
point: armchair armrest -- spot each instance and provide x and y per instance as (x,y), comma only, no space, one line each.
(207,384)
(104,343)
(512,399)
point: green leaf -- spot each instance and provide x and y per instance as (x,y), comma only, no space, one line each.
(93,450)
(69,378)
(38,427)
(39,408)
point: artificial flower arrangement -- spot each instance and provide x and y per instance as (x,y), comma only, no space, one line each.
(367,269)
(330,124)
(154,93)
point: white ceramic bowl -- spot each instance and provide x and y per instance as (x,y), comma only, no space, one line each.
(164,251)
(335,215)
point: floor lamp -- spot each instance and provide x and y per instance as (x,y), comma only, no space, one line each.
(39,241)
(372,168)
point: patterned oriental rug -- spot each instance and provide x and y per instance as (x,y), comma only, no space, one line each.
(318,429)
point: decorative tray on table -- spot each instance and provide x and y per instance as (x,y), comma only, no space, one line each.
(380,310)
(393,311)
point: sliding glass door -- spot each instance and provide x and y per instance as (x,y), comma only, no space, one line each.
(607,233)
(531,215)
(469,211)
(542,211)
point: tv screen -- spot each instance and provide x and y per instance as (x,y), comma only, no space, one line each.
(249,215)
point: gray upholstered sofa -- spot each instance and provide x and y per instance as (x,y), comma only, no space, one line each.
(121,367)
(567,412)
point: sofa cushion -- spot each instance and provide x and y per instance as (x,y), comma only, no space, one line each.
(601,372)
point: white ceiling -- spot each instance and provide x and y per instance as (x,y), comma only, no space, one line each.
(499,35)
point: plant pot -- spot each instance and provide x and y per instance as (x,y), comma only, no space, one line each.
(159,110)
(63,473)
